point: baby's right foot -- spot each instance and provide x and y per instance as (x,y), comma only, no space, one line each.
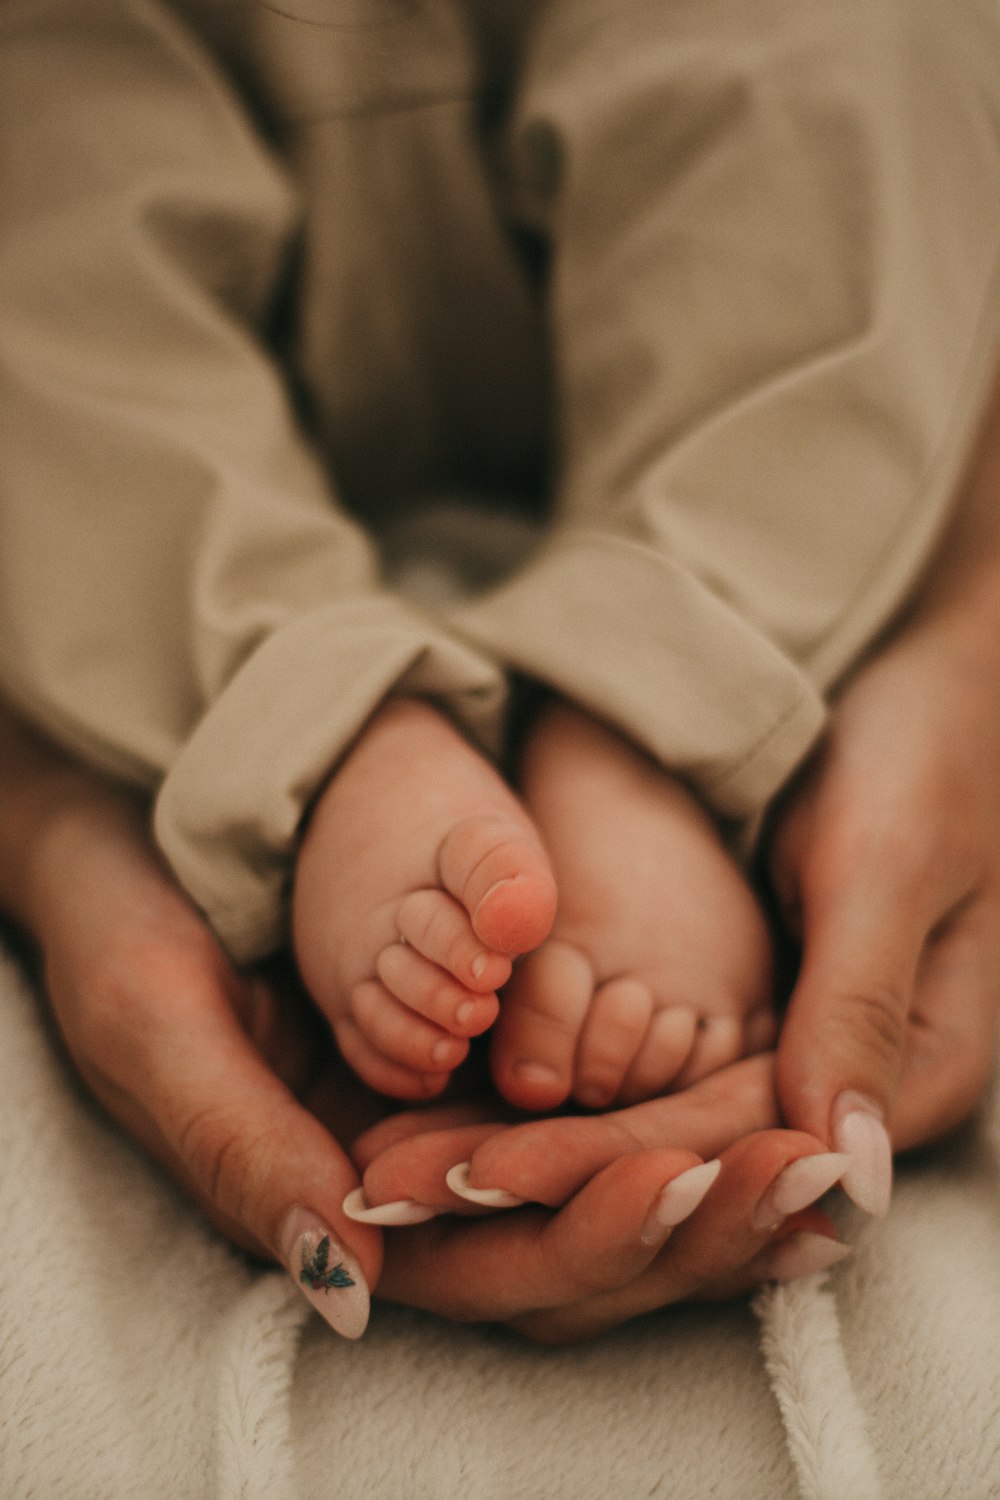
(419,879)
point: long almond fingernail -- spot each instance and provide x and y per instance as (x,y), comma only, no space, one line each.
(458,1180)
(398,1214)
(677,1201)
(803,1254)
(800,1184)
(325,1272)
(859,1132)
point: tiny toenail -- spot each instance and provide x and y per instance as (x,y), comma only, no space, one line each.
(441,1051)
(478,965)
(464,1012)
(532,1072)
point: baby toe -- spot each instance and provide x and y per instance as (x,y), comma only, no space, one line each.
(383,1073)
(664,1051)
(399,1034)
(498,870)
(612,1034)
(429,992)
(718,1041)
(437,926)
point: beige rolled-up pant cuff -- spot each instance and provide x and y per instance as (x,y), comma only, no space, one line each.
(624,631)
(229,811)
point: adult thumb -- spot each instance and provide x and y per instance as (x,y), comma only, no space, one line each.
(264,1170)
(841,1050)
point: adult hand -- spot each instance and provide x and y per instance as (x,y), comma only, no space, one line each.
(226,1081)
(886,861)
(212,1072)
(646,1222)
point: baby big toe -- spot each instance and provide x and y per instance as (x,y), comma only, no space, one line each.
(498,870)
(534,1042)
(438,927)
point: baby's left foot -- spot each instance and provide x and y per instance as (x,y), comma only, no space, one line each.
(658,969)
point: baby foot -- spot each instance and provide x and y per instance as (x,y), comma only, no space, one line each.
(658,968)
(419,878)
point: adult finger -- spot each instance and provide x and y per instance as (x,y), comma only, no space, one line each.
(865,919)
(547,1161)
(597,1262)
(721,1250)
(952,1032)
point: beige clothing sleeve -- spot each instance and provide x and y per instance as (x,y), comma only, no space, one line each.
(775,233)
(179,596)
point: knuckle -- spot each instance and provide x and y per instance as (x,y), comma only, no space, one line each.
(218,1155)
(877,1014)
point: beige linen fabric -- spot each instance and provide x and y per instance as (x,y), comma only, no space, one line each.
(730,270)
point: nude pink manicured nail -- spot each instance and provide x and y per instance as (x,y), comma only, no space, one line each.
(858,1131)
(325,1272)
(677,1201)
(804,1254)
(799,1185)
(399,1214)
(458,1180)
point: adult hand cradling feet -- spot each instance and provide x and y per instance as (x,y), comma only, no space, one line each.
(218,1075)
(886,861)
(697,1195)
(885,855)
(230,1082)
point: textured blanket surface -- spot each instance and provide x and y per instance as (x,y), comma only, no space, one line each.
(139,1356)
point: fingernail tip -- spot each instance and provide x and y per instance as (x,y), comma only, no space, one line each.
(401,1213)
(873,1199)
(457,1179)
(686,1191)
(805,1254)
(868,1179)
(326,1273)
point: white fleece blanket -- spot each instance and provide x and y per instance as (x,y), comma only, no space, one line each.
(139,1356)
